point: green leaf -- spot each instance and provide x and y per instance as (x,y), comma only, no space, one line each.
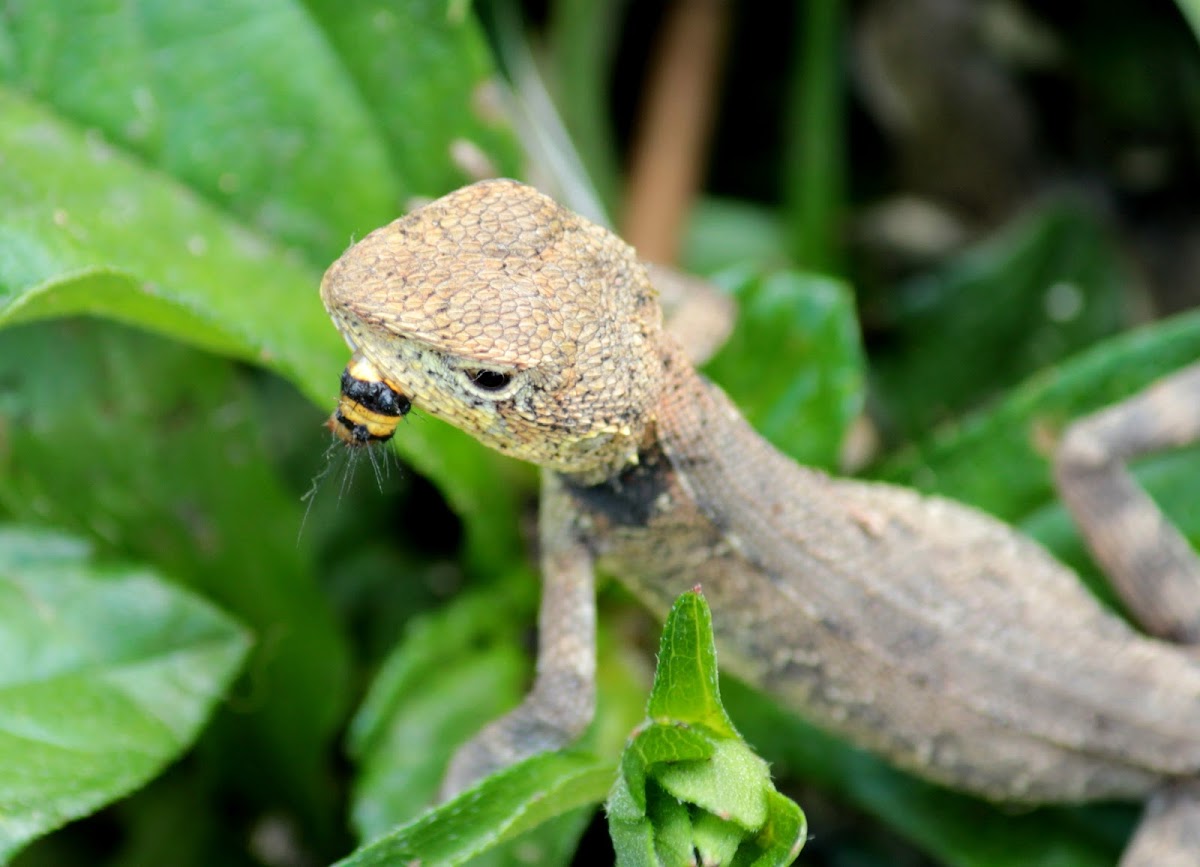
(731,234)
(106,675)
(783,835)
(656,744)
(810,387)
(672,828)
(85,229)
(1191,11)
(632,835)
(277,125)
(170,263)
(455,670)
(498,809)
(178,475)
(207,213)
(689,784)
(669,742)
(997,459)
(316,139)
(733,783)
(387,47)
(398,778)
(715,840)
(665,841)
(685,683)
(1047,287)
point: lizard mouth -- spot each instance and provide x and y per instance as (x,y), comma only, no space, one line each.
(369,409)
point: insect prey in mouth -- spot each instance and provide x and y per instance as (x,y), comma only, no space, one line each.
(367,414)
(368,409)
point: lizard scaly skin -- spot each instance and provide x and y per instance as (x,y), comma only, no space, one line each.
(911,625)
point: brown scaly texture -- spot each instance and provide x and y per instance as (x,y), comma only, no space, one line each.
(912,625)
(917,626)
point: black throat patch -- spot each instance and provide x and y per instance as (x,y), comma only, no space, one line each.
(633,498)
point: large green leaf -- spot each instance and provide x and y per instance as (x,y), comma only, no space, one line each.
(207,212)
(106,674)
(388,47)
(87,229)
(318,137)
(154,450)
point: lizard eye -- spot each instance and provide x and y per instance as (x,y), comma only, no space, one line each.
(490,381)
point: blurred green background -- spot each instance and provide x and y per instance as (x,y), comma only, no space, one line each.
(951,225)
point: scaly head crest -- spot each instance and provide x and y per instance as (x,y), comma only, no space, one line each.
(512,318)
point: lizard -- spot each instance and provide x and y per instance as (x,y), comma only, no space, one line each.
(914,626)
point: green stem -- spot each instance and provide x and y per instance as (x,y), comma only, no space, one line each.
(814,167)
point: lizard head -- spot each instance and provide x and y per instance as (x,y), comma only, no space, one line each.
(510,317)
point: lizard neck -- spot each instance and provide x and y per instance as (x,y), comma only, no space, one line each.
(716,452)
(626,450)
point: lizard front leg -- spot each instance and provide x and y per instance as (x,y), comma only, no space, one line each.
(1151,565)
(563,698)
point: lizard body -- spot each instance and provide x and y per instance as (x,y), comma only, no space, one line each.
(912,625)
(890,617)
